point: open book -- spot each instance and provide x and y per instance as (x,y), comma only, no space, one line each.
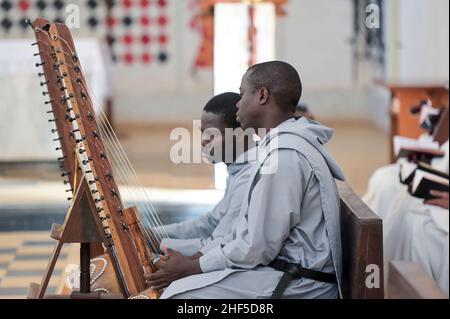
(425,182)
(404,147)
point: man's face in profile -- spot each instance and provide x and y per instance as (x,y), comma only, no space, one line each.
(213,137)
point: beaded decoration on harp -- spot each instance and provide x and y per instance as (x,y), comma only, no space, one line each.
(93,161)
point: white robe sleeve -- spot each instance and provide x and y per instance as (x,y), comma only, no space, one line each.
(273,210)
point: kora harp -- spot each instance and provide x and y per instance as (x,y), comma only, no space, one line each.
(92,161)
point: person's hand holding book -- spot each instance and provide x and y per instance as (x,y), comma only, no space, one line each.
(441,199)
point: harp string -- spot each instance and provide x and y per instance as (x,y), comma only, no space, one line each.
(116,164)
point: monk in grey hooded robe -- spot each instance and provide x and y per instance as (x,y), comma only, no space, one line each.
(290,210)
(201,234)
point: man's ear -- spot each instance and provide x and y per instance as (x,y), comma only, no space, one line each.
(263,95)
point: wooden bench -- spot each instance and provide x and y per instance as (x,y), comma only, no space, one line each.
(362,246)
(408,280)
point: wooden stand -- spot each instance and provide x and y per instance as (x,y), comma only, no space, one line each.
(404,95)
(81,226)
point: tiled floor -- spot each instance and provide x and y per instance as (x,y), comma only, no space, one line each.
(23,259)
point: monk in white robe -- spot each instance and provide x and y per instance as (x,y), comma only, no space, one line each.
(417,231)
(290,210)
(384,185)
(199,235)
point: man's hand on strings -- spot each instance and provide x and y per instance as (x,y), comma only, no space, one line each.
(172,266)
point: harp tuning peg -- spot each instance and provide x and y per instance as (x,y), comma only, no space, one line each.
(36,54)
(48,102)
(44,83)
(40,74)
(39,64)
(34,43)
(44,93)
(53,120)
(85,162)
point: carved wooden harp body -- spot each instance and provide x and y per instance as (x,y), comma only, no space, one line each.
(96,213)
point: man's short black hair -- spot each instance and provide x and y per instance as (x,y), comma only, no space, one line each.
(280,79)
(225,105)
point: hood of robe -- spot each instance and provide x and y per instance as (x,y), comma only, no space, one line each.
(245,159)
(315,133)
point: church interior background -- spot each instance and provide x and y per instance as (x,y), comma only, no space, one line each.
(153,64)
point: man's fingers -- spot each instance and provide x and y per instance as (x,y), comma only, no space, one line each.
(155,276)
(160,264)
(160,286)
(154,281)
(168,251)
(164,258)
(435,202)
(439,194)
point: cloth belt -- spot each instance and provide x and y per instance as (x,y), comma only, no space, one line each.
(294,271)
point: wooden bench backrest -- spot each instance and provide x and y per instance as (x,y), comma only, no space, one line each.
(362,245)
(441,132)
